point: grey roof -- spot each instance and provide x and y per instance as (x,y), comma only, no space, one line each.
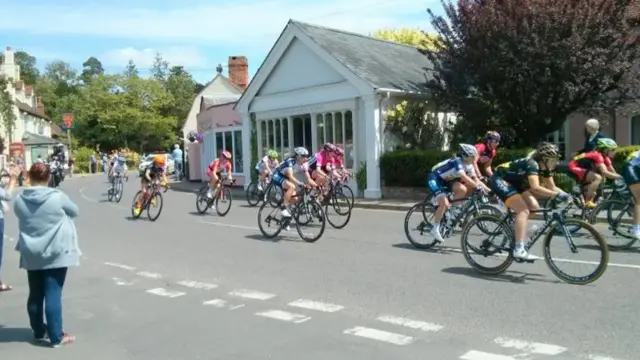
(30,139)
(382,64)
(213,100)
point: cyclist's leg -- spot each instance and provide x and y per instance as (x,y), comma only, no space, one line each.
(631,176)
(212,184)
(512,198)
(289,190)
(436,186)
(591,182)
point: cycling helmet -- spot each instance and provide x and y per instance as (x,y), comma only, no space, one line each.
(272,154)
(339,151)
(159,160)
(492,135)
(329,147)
(547,150)
(226,154)
(467,150)
(300,151)
(606,144)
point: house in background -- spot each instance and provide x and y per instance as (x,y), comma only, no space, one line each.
(34,133)
(221,90)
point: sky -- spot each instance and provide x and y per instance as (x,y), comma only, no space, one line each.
(197,34)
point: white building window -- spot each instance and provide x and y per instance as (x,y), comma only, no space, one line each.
(337,128)
(558,138)
(231,141)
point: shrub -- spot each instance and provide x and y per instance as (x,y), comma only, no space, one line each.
(361,176)
(82,156)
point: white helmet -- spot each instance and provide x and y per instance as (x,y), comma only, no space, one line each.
(300,151)
(467,150)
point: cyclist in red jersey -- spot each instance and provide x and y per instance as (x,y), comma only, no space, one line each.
(588,168)
(215,169)
(486,153)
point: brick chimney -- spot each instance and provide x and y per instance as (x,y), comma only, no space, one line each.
(28,90)
(239,71)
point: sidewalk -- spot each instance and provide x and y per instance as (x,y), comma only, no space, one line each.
(383,204)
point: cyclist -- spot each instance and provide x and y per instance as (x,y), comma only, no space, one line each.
(112,161)
(319,161)
(118,169)
(517,182)
(487,151)
(153,172)
(588,168)
(631,176)
(443,177)
(338,162)
(284,177)
(265,166)
(215,169)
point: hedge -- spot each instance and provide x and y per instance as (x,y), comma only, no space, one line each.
(409,168)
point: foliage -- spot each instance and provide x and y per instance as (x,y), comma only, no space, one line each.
(407,36)
(522,66)
(7,115)
(29,73)
(82,156)
(361,176)
(414,125)
(91,69)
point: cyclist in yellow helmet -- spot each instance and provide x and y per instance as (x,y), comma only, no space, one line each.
(153,172)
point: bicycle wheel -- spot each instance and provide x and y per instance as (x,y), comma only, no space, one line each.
(111,191)
(254,196)
(155,202)
(118,190)
(423,238)
(223,198)
(491,245)
(313,211)
(482,209)
(135,214)
(340,203)
(269,217)
(202,201)
(618,232)
(274,195)
(601,258)
(346,190)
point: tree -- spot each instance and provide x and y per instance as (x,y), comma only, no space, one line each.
(91,69)
(57,88)
(523,66)
(29,73)
(160,69)
(199,87)
(131,70)
(414,126)
(181,86)
(7,114)
(407,36)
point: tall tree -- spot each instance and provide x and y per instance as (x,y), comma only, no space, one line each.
(57,87)
(29,73)
(181,86)
(7,114)
(160,69)
(523,66)
(131,70)
(91,69)
(408,36)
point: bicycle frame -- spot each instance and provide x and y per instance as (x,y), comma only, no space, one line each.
(471,202)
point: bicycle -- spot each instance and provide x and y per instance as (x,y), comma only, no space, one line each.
(222,194)
(622,202)
(117,188)
(255,195)
(474,204)
(341,187)
(335,197)
(307,205)
(154,198)
(505,230)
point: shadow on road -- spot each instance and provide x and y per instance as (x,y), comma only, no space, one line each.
(278,238)
(206,213)
(141,218)
(16,335)
(249,206)
(435,250)
(515,277)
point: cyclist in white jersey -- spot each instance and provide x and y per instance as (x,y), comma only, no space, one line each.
(450,175)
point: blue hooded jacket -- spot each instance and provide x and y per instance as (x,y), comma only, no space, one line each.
(48,237)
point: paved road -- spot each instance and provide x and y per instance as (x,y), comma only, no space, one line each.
(204,287)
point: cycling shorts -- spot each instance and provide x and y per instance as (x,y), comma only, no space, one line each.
(504,189)
(631,174)
(278,179)
(576,172)
(437,185)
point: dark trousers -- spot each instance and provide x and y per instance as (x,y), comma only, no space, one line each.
(93,168)
(45,299)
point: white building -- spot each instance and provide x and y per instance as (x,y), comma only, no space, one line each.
(33,131)
(322,85)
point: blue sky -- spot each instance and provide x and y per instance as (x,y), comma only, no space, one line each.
(198,34)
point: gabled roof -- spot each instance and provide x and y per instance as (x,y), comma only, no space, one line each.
(31,110)
(383,64)
(209,101)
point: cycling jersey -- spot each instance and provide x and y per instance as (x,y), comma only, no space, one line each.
(215,165)
(119,168)
(337,162)
(513,177)
(485,153)
(631,169)
(585,162)
(266,160)
(318,160)
(633,158)
(155,171)
(279,174)
(444,173)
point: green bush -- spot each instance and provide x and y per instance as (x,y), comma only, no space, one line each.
(82,156)
(361,176)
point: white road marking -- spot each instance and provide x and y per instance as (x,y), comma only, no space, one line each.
(479,355)
(316,305)
(122,282)
(530,348)
(229,225)
(600,357)
(379,335)
(236,307)
(284,316)
(219,303)
(120,266)
(149,275)
(197,285)
(9,238)
(165,292)
(252,294)
(413,324)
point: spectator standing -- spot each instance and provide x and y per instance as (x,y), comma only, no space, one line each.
(93,163)
(48,246)
(177,161)
(5,195)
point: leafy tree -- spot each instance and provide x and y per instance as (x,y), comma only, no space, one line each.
(91,69)
(160,69)
(407,36)
(199,87)
(181,86)
(7,114)
(131,70)
(29,73)
(523,66)
(415,126)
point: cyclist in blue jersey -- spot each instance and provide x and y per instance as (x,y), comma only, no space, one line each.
(454,174)
(284,177)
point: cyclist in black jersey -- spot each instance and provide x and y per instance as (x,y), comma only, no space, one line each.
(516,183)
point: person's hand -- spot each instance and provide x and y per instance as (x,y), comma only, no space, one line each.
(14,172)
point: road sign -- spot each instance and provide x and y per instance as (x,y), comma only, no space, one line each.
(67,121)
